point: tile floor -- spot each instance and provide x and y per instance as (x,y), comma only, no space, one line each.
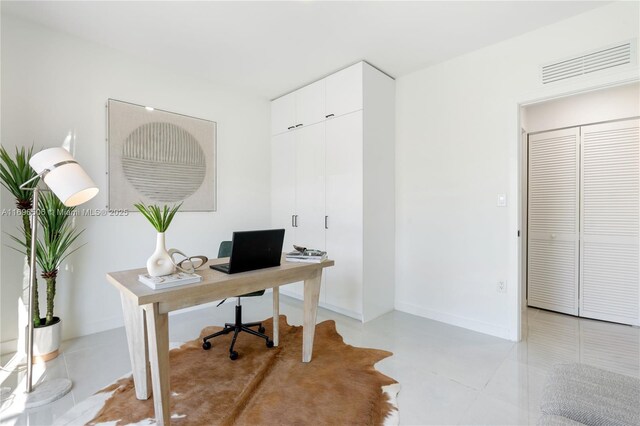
(449,375)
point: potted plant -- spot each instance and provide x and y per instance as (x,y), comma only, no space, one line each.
(53,246)
(15,171)
(58,235)
(160,262)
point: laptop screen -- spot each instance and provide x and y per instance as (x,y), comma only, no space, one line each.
(256,250)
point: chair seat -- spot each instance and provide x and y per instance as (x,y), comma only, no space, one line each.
(255,293)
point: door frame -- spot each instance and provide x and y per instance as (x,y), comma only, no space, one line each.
(517,214)
(524,227)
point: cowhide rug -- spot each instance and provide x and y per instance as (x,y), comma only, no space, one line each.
(262,387)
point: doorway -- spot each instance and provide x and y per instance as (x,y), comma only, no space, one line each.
(580,205)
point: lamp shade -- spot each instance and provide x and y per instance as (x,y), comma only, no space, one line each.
(65,178)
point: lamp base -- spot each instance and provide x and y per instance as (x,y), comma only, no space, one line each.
(47,391)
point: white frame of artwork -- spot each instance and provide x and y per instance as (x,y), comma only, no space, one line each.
(119,129)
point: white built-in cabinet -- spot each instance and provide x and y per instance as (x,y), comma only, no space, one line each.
(344,91)
(584,221)
(300,108)
(332,179)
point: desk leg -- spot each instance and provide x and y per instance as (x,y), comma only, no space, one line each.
(158,329)
(276,315)
(311,296)
(137,340)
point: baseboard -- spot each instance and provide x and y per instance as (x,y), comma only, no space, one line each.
(341,311)
(107,324)
(8,346)
(468,323)
(86,329)
(291,295)
(95,327)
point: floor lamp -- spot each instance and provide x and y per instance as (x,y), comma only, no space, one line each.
(71,184)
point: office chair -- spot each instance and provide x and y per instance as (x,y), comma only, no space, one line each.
(238,326)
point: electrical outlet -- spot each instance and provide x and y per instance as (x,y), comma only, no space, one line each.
(501,287)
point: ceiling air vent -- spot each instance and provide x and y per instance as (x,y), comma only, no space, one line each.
(614,56)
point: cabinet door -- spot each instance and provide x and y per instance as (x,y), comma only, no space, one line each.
(283,115)
(310,198)
(344,200)
(283,192)
(553,221)
(309,195)
(610,266)
(310,104)
(344,91)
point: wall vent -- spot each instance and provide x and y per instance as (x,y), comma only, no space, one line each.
(602,59)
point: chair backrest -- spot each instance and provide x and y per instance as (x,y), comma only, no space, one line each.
(225,249)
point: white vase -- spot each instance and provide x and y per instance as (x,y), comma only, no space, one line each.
(46,340)
(160,262)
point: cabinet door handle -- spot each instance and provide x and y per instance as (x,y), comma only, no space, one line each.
(291,127)
(326,223)
(293,223)
(299,125)
(296,221)
(329,115)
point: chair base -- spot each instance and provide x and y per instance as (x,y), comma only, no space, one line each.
(237,328)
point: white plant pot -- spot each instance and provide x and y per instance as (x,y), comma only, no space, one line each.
(46,341)
(160,262)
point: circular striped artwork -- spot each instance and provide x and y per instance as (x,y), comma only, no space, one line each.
(163,161)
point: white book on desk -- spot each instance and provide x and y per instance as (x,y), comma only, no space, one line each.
(305,255)
(168,281)
(306,259)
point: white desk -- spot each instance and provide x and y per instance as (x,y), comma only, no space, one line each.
(147,321)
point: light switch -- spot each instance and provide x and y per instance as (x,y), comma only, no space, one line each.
(502,200)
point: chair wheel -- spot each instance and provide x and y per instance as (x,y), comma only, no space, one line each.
(261,329)
(269,343)
(233,355)
(206,345)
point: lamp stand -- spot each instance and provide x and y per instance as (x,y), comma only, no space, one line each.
(50,390)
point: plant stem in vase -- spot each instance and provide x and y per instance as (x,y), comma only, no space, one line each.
(50,279)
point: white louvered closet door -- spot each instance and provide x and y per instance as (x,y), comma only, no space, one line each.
(553,221)
(610,208)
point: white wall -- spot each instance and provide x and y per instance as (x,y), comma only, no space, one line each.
(457,148)
(600,105)
(52,84)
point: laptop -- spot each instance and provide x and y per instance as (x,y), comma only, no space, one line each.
(253,250)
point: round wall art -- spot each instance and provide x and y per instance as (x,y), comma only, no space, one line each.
(163,161)
(160,157)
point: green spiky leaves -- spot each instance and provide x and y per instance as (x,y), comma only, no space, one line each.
(14,171)
(159,217)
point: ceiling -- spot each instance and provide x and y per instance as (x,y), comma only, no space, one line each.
(271,48)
